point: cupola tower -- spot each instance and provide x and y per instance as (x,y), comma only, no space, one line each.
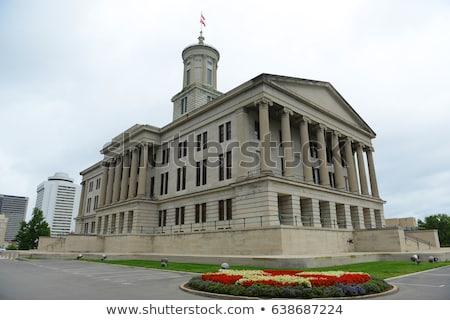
(200,63)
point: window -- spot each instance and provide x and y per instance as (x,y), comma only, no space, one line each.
(197,183)
(95,202)
(164,186)
(162,220)
(209,77)
(200,172)
(97,183)
(183,105)
(181,178)
(188,76)
(165,155)
(91,186)
(204,166)
(205,139)
(228,164)
(225,165)
(88,207)
(225,209)
(228,130)
(200,213)
(225,132)
(152,187)
(182,149)
(199,142)
(221,133)
(316,176)
(179,216)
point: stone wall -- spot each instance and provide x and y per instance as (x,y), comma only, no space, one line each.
(268,241)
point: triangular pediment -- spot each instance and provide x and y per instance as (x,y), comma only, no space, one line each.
(322,96)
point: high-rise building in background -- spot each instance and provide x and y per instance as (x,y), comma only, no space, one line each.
(3,223)
(14,208)
(59,198)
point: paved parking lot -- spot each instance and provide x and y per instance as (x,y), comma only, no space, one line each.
(75,280)
(82,280)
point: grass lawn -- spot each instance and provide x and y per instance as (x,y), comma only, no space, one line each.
(382,269)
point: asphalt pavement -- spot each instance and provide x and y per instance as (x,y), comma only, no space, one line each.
(82,280)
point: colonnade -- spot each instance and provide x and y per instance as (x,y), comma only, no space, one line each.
(356,172)
(125,175)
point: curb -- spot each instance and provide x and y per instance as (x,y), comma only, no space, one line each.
(212,295)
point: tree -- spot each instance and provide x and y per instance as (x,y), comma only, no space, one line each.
(29,233)
(441,222)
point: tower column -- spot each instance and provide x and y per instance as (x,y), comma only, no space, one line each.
(117,179)
(322,152)
(287,143)
(104,183)
(242,123)
(351,170)
(305,147)
(109,186)
(143,170)
(264,130)
(372,175)
(133,173)
(337,162)
(362,170)
(125,175)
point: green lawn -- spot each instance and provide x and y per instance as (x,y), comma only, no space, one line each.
(383,269)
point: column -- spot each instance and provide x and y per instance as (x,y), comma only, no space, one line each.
(264,131)
(305,149)
(81,208)
(351,170)
(322,152)
(242,127)
(133,173)
(372,175)
(104,183)
(337,162)
(117,179)
(289,169)
(143,170)
(362,170)
(125,175)
(109,186)
(343,216)
(310,211)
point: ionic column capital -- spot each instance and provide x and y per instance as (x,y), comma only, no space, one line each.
(264,101)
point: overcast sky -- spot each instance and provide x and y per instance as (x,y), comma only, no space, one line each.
(74,74)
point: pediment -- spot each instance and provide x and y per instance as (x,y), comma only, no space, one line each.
(324,97)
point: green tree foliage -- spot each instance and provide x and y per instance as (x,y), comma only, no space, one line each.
(29,233)
(441,222)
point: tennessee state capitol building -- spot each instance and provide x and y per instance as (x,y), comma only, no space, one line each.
(277,165)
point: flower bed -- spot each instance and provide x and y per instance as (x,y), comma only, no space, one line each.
(288,283)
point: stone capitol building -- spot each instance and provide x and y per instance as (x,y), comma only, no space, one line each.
(278,165)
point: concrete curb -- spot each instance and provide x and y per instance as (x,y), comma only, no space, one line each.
(211,295)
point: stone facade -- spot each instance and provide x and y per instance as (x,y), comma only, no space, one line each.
(275,153)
